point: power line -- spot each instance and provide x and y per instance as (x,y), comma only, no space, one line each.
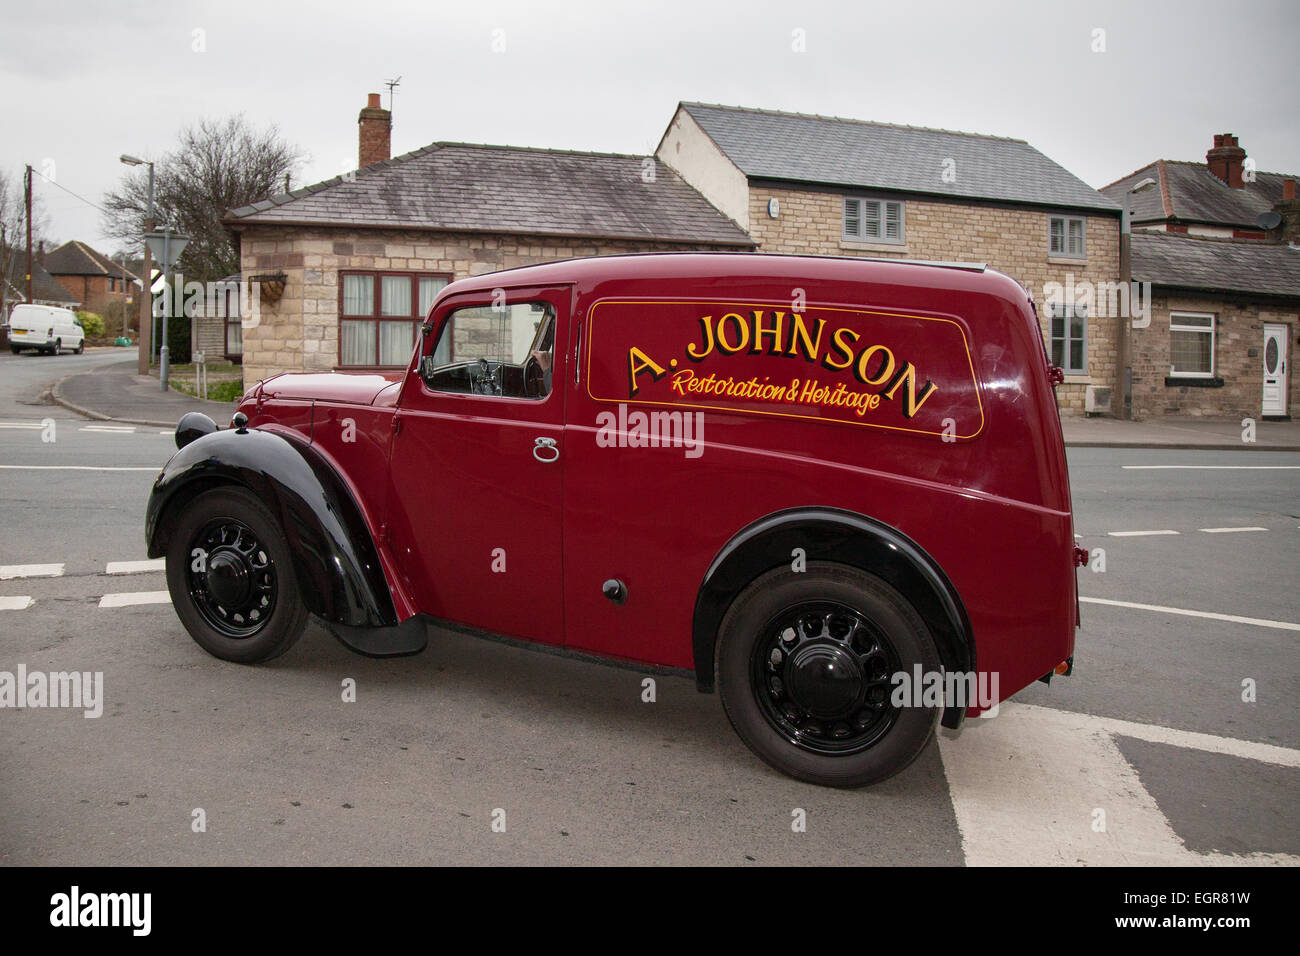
(71,193)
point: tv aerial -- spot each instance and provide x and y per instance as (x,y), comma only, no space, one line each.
(391,84)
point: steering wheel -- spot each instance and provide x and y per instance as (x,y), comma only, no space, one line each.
(486,383)
(533,376)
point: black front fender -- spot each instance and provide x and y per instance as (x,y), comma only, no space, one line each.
(334,556)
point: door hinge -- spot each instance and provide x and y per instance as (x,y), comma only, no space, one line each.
(1080,557)
(1055,374)
(577,351)
(397,424)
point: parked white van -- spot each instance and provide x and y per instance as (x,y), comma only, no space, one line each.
(45,328)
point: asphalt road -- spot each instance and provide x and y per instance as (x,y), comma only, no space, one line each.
(1147,754)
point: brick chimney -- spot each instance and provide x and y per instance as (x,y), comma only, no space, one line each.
(374,135)
(1289,209)
(1225,159)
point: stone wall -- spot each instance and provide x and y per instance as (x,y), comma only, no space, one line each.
(1013,240)
(1238,361)
(300,331)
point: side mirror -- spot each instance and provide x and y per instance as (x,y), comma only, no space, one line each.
(426,367)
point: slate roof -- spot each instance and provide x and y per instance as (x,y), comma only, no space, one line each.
(78,259)
(1189,192)
(827,150)
(1218,265)
(45,288)
(464,187)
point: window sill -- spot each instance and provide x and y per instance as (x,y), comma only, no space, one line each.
(873,246)
(1067,260)
(1078,378)
(1193,382)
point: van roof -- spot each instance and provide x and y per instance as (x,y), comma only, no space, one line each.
(700,265)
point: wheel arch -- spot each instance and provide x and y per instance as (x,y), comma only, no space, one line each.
(334,555)
(844,537)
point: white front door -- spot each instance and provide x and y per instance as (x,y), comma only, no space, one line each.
(1275,342)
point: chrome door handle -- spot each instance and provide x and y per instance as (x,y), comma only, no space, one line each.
(543,446)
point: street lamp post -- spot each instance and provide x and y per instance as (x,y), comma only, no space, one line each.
(1125,364)
(167,249)
(146,315)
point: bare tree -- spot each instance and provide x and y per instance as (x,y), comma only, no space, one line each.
(216,166)
(13,236)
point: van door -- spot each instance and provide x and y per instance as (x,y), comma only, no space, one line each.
(477,461)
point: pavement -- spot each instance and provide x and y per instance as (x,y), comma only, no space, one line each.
(115,392)
(1083,432)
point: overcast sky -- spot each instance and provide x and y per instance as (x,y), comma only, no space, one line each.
(87,81)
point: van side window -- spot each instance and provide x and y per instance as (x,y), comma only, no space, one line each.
(504,351)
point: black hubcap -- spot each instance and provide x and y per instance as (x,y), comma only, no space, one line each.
(231,578)
(821,674)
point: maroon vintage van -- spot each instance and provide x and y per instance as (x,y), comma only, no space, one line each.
(833,489)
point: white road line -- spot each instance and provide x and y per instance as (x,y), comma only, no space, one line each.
(129,598)
(16,603)
(1138,534)
(1232,618)
(1210,743)
(73,468)
(1211,467)
(10,571)
(1036,786)
(135,567)
(118,429)
(1229,530)
(28,425)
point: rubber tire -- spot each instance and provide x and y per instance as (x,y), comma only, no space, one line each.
(873,598)
(81,347)
(58,345)
(288,619)
(15,349)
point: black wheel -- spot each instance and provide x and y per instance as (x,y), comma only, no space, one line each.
(805,662)
(81,347)
(231,578)
(15,349)
(58,345)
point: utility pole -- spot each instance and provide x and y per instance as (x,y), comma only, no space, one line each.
(145,351)
(127,289)
(29,233)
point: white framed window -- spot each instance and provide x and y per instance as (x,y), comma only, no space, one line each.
(1066,236)
(873,220)
(1069,337)
(379,313)
(1191,344)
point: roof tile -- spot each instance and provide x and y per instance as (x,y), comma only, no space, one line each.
(766,144)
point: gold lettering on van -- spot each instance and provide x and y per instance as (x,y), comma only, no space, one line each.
(873,364)
(638,362)
(799,340)
(911,401)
